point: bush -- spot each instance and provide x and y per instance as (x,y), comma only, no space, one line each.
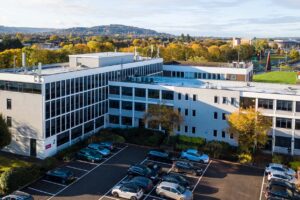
(12,179)
(277,158)
(294,165)
(181,147)
(217,149)
(197,141)
(245,158)
(49,163)
(106,135)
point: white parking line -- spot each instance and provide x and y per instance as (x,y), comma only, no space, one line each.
(201,176)
(86,162)
(41,191)
(54,183)
(76,168)
(86,173)
(262,187)
(105,195)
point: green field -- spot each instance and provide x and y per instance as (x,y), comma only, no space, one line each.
(277,77)
(7,163)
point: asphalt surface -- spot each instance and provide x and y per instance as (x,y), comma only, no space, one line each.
(221,180)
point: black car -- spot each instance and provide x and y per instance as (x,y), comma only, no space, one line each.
(186,167)
(145,183)
(63,176)
(176,178)
(143,170)
(283,183)
(160,155)
(280,192)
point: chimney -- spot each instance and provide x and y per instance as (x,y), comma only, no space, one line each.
(24,61)
(40,69)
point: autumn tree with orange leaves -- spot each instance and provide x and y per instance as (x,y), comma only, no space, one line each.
(250,127)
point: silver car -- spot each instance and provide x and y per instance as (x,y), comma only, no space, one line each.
(18,195)
(127,191)
(100,149)
(173,191)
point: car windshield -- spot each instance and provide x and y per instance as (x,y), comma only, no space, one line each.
(180,189)
(278,169)
(181,178)
(93,153)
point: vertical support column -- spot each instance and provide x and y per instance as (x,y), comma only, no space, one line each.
(274,125)
(133,107)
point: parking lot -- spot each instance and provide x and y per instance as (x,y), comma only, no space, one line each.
(220,180)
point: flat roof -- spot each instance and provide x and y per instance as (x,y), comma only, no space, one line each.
(238,65)
(269,88)
(102,55)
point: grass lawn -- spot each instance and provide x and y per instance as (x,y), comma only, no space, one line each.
(277,77)
(7,163)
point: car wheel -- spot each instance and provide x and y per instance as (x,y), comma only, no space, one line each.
(133,198)
(115,194)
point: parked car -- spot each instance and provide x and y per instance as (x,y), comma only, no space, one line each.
(143,170)
(60,175)
(145,183)
(173,191)
(128,191)
(281,176)
(176,178)
(100,149)
(279,192)
(18,195)
(89,155)
(194,155)
(186,167)
(160,155)
(107,144)
(283,183)
(279,167)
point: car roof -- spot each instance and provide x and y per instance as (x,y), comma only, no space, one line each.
(275,165)
(168,184)
(59,171)
(279,173)
(191,150)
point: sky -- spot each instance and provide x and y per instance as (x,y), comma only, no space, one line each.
(223,18)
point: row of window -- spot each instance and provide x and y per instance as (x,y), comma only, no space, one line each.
(286,142)
(21,87)
(287,123)
(283,105)
(225,100)
(196,75)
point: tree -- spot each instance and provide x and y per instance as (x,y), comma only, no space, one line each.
(163,115)
(5,135)
(250,127)
(294,54)
(53,38)
(214,52)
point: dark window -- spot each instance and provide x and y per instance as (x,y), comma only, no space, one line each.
(233,100)
(76,132)
(297,124)
(63,88)
(281,141)
(114,90)
(193,130)
(48,128)
(139,106)
(298,106)
(224,100)
(246,102)
(284,105)
(265,103)
(283,123)
(47,91)
(186,129)
(231,136)
(186,97)
(63,138)
(223,134)
(178,128)
(215,133)
(9,121)
(114,104)
(99,122)
(179,110)
(126,105)
(8,104)
(223,116)
(140,92)
(57,89)
(194,97)
(126,91)
(194,112)
(47,110)
(179,96)
(88,127)
(114,119)
(127,121)
(186,111)
(168,95)
(68,84)
(215,115)
(153,94)
(297,143)
(216,99)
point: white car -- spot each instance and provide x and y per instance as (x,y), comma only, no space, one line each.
(173,191)
(127,191)
(281,176)
(274,167)
(100,149)
(194,155)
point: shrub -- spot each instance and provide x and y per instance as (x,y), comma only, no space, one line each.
(217,149)
(181,147)
(12,179)
(277,158)
(294,165)
(49,163)
(245,158)
(106,136)
(197,141)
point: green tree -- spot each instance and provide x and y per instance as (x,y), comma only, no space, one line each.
(214,53)
(165,116)
(294,54)
(5,135)
(250,127)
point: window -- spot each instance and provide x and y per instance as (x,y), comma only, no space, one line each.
(298,106)
(215,115)
(194,97)
(76,132)
(153,94)
(297,143)
(114,90)
(246,102)
(114,119)
(284,105)
(223,134)
(186,111)
(283,123)
(178,128)
(140,92)
(215,133)
(186,97)
(281,141)
(139,106)
(231,136)
(127,121)
(179,96)
(9,121)
(63,138)
(194,113)
(223,116)
(126,91)
(265,103)
(167,95)
(8,104)
(224,100)
(179,110)
(193,130)
(297,124)
(233,100)
(114,104)
(186,129)
(126,105)
(216,99)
